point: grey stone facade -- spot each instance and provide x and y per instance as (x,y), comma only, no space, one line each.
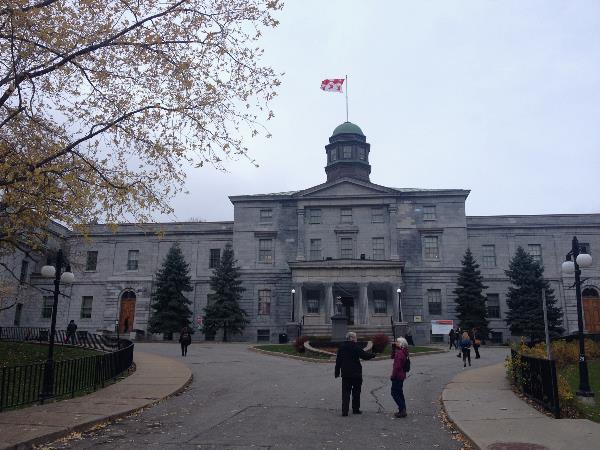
(347,244)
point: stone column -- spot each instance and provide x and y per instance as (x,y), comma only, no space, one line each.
(329,302)
(396,302)
(300,255)
(364,303)
(393,213)
(299,305)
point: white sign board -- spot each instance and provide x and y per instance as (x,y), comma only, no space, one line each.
(441,326)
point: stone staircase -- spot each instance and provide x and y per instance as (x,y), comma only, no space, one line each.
(360,330)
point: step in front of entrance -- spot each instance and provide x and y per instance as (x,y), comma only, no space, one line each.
(360,330)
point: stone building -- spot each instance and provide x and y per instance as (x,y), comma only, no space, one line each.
(377,254)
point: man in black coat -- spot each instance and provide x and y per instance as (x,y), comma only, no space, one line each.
(348,363)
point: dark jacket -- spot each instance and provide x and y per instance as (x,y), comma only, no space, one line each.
(465,344)
(185,337)
(71,328)
(348,360)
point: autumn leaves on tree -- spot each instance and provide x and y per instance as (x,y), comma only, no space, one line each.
(103,104)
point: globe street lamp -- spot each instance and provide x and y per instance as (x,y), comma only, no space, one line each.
(293,303)
(400,315)
(67,277)
(574,260)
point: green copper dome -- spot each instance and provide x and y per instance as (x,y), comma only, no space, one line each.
(347,128)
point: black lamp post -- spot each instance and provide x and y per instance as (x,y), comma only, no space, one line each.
(118,337)
(399,292)
(293,303)
(66,277)
(574,260)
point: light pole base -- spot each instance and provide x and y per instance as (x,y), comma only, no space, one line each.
(586,394)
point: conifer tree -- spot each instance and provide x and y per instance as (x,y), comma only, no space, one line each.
(170,307)
(225,312)
(470,302)
(525,314)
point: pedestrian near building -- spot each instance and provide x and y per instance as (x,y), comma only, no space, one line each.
(348,365)
(452,339)
(71,329)
(408,336)
(401,357)
(185,339)
(476,341)
(465,347)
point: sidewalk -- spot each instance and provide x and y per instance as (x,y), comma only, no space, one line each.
(155,378)
(482,405)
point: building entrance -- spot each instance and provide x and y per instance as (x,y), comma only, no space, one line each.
(591,310)
(127,312)
(348,309)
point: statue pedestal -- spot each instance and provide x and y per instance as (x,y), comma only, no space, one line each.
(293,330)
(400,329)
(339,328)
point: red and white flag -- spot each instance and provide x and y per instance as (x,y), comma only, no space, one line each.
(334,85)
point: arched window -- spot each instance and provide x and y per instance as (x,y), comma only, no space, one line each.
(590,292)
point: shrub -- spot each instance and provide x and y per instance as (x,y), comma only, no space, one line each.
(380,342)
(299,344)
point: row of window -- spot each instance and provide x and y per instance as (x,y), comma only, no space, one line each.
(313,216)
(84,313)
(488,253)
(434,303)
(347,152)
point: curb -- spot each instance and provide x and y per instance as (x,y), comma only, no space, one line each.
(315,360)
(452,423)
(85,426)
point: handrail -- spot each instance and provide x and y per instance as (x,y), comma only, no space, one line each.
(23,384)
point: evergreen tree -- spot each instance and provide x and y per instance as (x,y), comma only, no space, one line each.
(525,314)
(471,309)
(170,307)
(225,312)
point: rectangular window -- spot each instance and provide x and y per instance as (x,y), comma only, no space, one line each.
(334,154)
(24,270)
(47,307)
(86,307)
(91,261)
(584,247)
(376,215)
(313,300)
(263,335)
(496,337)
(434,301)
(346,248)
(378,248)
(493,306)
(429,213)
(314,216)
(266,216)
(488,255)
(347,152)
(315,249)
(215,258)
(346,215)
(18,313)
(431,249)
(380,302)
(132,259)
(535,250)
(264,302)
(265,251)
(361,153)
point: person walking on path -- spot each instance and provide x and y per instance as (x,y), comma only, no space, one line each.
(476,341)
(452,338)
(348,364)
(400,356)
(185,339)
(71,329)
(408,336)
(465,347)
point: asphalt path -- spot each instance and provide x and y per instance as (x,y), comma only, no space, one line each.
(244,400)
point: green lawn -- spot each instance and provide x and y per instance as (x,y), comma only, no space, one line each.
(289,349)
(19,353)
(571,373)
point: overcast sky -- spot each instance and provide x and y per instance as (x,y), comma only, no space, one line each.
(499,97)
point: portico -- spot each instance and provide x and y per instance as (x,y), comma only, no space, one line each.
(363,290)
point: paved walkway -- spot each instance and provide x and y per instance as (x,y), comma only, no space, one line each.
(482,405)
(155,378)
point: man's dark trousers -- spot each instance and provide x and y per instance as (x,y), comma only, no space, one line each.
(351,386)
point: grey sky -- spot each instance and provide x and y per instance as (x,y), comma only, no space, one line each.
(500,97)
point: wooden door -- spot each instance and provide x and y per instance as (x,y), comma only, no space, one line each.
(127,315)
(591,313)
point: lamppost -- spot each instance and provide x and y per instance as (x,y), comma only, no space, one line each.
(400,315)
(118,337)
(293,303)
(67,277)
(574,260)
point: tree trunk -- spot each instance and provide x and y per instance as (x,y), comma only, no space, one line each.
(225,334)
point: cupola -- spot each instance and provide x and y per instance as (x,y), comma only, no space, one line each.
(347,153)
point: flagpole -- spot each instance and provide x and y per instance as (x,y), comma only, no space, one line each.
(346,98)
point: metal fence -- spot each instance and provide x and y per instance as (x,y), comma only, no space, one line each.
(537,380)
(21,385)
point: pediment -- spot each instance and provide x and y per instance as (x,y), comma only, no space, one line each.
(346,187)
